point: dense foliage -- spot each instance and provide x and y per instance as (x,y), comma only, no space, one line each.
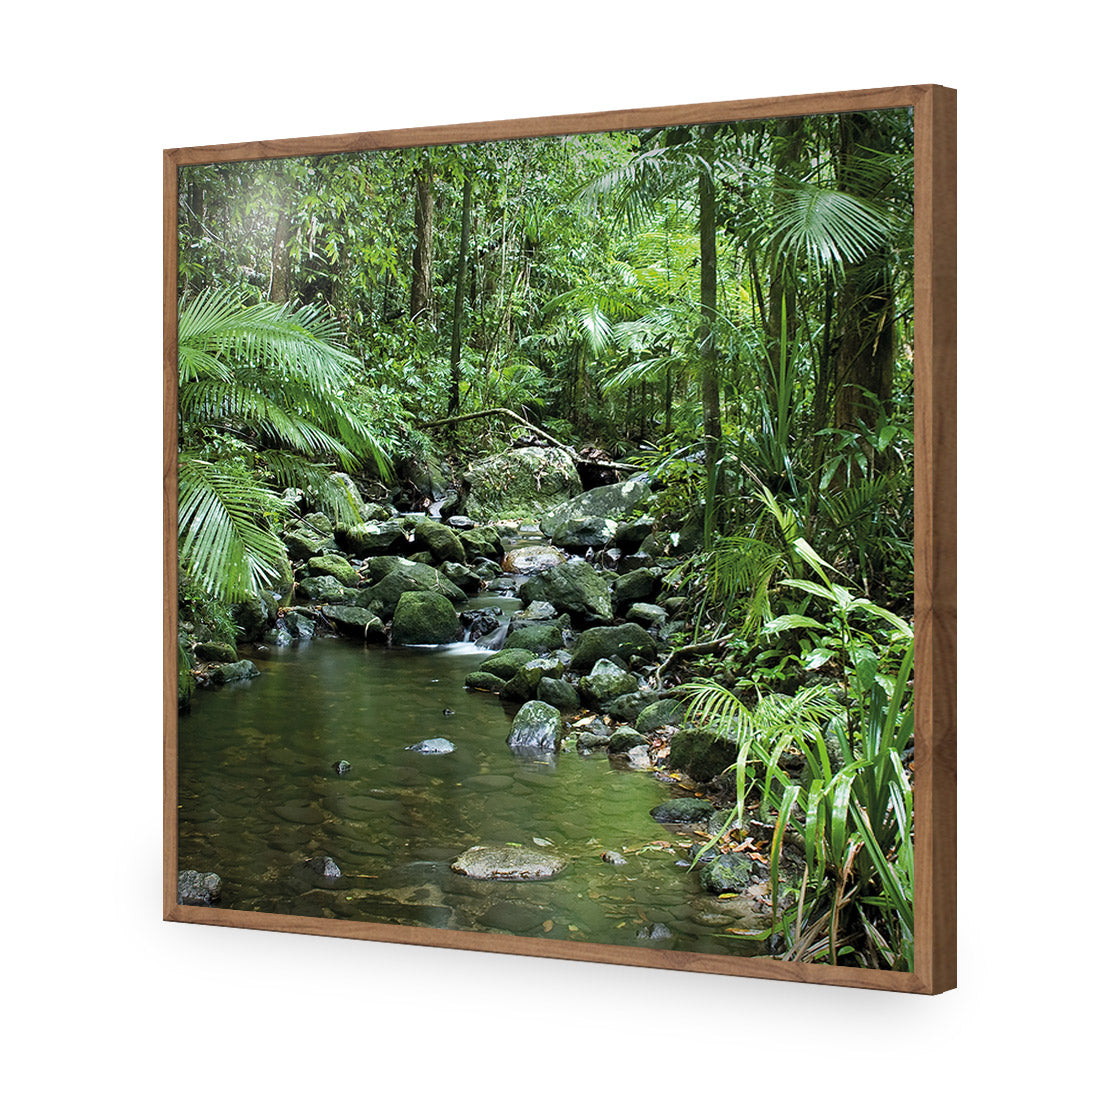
(728,307)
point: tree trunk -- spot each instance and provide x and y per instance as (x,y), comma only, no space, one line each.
(460,280)
(708,312)
(864,358)
(420,305)
(278,289)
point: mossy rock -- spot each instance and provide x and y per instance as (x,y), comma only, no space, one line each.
(664,712)
(215,651)
(507,662)
(231,673)
(255,615)
(627,642)
(439,540)
(730,873)
(302,544)
(324,587)
(606,681)
(700,753)
(484,681)
(482,542)
(409,576)
(682,811)
(537,637)
(355,622)
(367,539)
(520,484)
(424,618)
(574,587)
(560,694)
(626,738)
(331,566)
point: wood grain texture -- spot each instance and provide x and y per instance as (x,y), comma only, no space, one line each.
(934,537)
(935,504)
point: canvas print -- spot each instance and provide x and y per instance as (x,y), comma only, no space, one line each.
(545,538)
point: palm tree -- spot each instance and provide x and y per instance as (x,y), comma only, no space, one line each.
(262,405)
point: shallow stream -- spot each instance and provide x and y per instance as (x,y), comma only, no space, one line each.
(259,797)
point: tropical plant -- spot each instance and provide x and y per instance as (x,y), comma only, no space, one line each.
(261,407)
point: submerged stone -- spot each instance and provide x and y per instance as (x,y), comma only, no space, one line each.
(682,811)
(434,746)
(198,888)
(237,670)
(507,863)
(324,866)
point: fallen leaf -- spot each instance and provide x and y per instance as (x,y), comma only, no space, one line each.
(547,925)
(542,842)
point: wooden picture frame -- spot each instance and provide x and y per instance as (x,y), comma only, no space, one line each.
(934,291)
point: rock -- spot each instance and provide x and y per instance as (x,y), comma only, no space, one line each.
(323,866)
(537,637)
(520,484)
(685,811)
(655,932)
(331,566)
(324,588)
(424,618)
(198,888)
(595,736)
(636,758)
(279,637)
(408,576)
(350,491)
(607,502)
(255,615)
(628,641)
(185,681)
(626,738)
(215,651)
(341,767)
(524,684)
(574,587)
(302,543)
(626,708)
(481,542)
(537,726)
(605,682)
(355,622)
(532,559)
(377,537)
(434,746)
(700,753)
(439,540)
(647,615)
(730,873)
(319,524)
(298,625)
(510,916)
(485,681)
(559,694)
(638,584)
(231,673)
(461,576)
(615,858)
(507,662)
(632,534)
(664,712)
(584,532)
(538,611)
(507,863)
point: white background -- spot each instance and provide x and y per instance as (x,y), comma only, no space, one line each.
(104,996)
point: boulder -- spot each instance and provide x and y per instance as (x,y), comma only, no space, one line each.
(627,642)
(700,753)
(536,727)
(647,615)
(215,651)
(664,712)
(355,622)
(583,532)
(524,684)
(408,576)
(325,588)
(730,873)
(484,681)
(560,694)
(574,587)
(198,888)
(329,565)
(520,484)
(626,738)
(349,492)
(507,662)
(298,625)
(538,637)
(424,618)
(434,746)
(633,533)
(376,537)
(538,611)
(301,543)
(255,615)
(607,502)
(481,542)
(231,673)
(532,559)
(606,681)
(507,863)
(461,576)
(626,708)
(685,811)
(439,540)
(637,585)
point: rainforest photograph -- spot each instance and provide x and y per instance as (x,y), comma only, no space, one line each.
(545,537)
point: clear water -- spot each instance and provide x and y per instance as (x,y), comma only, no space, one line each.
(259,796)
